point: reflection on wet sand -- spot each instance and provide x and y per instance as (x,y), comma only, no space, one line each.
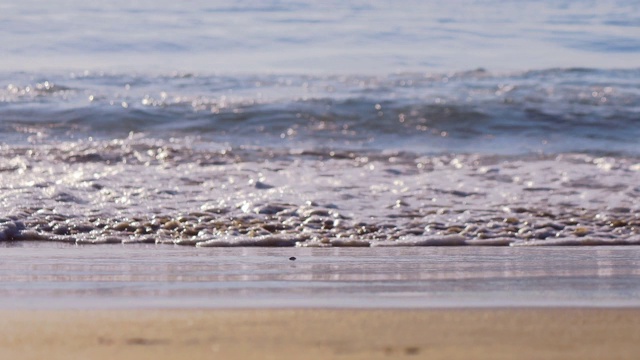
(389,277)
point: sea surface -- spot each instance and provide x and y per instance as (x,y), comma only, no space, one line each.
(320,124)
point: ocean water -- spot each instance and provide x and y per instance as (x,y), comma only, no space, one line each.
(412,123)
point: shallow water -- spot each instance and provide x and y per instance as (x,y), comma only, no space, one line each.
(45,275)
(317,125)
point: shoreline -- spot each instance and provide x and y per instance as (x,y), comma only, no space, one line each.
(50,276)
(498,333)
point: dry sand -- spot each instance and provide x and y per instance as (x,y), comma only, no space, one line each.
(321,334)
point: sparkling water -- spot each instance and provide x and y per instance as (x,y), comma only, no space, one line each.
(346,123)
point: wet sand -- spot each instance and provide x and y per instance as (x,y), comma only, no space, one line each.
(42,275)
(60,301)
(321,334)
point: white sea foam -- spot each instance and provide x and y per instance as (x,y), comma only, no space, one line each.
(143,190)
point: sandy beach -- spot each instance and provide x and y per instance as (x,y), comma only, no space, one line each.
(321,334)
(136,302)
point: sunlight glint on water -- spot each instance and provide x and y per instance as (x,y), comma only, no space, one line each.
(320,124)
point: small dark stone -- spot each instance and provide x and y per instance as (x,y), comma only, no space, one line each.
(262,186)
(292,258)
(618,223)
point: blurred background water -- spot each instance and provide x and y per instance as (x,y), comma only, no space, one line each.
(309,37)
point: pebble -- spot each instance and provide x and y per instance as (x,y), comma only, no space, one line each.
(262,223)
(618,223)
(581,231)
